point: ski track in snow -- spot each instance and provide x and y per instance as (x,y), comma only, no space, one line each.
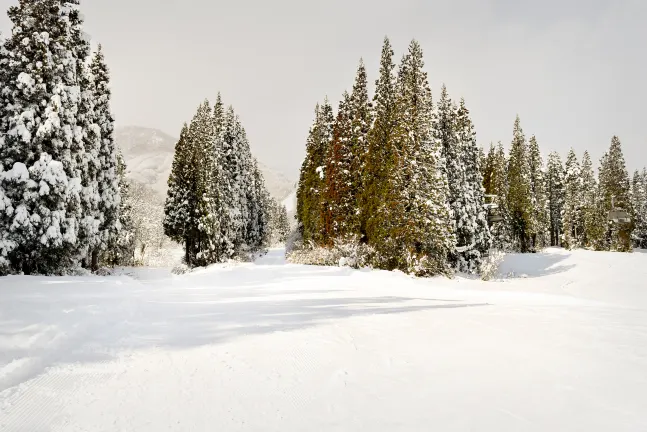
(559,342)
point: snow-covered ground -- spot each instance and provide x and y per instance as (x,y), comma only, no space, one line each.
(558,344)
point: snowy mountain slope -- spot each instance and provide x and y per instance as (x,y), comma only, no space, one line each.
(559,344)
(149,155)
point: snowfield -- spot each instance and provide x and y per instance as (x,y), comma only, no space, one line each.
(557,343)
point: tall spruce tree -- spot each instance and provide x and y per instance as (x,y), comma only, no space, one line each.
(382,190)
(519,204)
(555,189)
(108,178)
(498,183)
(639,195)
(592,227)
(572,231)
(615,193)
(472,227)
(310,191)
(539,201)
(454,130)
(361,120)
(42,148)
(340,196)
(425,227)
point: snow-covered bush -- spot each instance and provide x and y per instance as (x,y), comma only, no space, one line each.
(491,263)
(345,252)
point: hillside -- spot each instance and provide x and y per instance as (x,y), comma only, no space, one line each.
(149,155)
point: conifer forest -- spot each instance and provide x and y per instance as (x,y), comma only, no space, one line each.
(394,181)
(402,178)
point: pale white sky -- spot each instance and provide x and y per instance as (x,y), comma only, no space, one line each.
(574,70)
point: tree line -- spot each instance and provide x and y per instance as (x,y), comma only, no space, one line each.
(564,204)
(405,177)
(217,205)
(396,173)
(61,192)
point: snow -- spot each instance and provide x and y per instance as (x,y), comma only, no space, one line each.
(558,342)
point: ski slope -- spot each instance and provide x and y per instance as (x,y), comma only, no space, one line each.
(558,343)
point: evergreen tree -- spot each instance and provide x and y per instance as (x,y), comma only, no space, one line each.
(361,119)
(640,208)
(180,206)
(555,188)
(488,170)
(110,183)
(615,193)
(498,184)
(425,227)
(310,191)
(382,200)
(519,205)
(120,249)
(592,227)
(572,231)
(454,130)
(540,219)
(472,227)
(342,218)
(42,148)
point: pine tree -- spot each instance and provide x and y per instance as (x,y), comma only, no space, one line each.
(498,184)
(488,170)
(109,182)
(555,189)
(540,219)
(179,207)
(382,200)
(342,218)
(592,228)
(426,225)
(640,208)
(472,227)
(221,185)
(519,205)
(361,119)
(615,193)
(572,230)
(42,149)
(120,249)
(454,130)
(310,192)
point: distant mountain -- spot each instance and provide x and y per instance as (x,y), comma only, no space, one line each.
(149,155)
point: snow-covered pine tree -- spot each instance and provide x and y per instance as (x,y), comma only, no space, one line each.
(472,226)
(361,117)
(615,189)
(640,208)
(41,150)
(540,219)
(488,170)
(593,227)
(340,198)
(109,181)
(120,249)
(89,237)
(310,191)
(454,130)
(179,208)
(426,224)
(555,189)
(381,175)
(572,231)
(221,184)
(519,205)
(497,185)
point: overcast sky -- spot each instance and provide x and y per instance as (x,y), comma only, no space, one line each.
(575,71)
